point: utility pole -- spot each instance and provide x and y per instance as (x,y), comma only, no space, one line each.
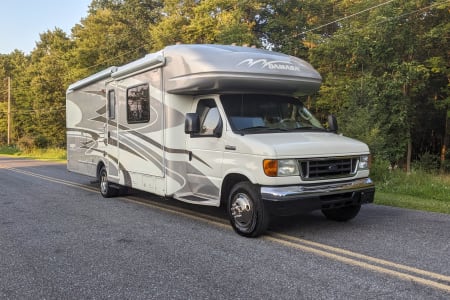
(9,110)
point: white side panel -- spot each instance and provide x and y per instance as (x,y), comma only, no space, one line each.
(139,144)
(85,109)
(176,154)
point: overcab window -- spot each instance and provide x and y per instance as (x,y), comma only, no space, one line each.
(138,104)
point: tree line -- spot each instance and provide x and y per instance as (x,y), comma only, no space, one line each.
(384,63)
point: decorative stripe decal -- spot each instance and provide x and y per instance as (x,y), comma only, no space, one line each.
(95,136)
(100,93)
(149,140)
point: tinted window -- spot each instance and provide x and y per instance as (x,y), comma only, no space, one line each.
(267,113)
(111,105)
(209,116)
(138,104)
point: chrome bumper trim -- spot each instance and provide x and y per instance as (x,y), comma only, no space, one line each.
(282,193)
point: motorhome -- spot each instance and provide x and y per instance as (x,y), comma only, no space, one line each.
(217,125)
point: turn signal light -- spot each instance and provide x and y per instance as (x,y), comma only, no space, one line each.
(270,167)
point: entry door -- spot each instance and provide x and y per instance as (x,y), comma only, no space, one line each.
(204,170)
(112,138)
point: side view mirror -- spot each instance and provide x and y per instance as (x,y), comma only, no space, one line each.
(192,123)
(332,124)
(218,130)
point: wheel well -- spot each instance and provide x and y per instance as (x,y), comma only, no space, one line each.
(99,167)
(229,181)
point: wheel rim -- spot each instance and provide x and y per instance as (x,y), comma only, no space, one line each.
(242,210)
(104,183)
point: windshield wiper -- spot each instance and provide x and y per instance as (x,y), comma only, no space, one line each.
(253,128)
(261,128)
(308,128)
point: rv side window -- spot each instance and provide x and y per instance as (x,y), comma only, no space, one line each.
(209,117)
(111,105)
(138,104)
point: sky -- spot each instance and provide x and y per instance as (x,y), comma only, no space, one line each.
(21,21)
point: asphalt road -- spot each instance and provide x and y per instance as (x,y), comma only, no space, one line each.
(59,239)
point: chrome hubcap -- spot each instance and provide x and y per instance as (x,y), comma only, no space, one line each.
(104,183)
(242,209)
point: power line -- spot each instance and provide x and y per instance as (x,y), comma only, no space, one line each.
(402,15)
(386,20)
(377,23)
(348,17)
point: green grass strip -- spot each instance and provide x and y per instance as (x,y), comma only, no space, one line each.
(412,202)
(41,154)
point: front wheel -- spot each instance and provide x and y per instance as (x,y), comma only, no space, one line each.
(105,187)
(246,211)
(342,214)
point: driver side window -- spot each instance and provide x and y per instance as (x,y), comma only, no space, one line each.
(210,121)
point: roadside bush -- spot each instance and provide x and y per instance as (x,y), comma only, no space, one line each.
(41,142)
(380,170)
(427,162)
(26,144)
(9,150)
(3,138)
(445,167)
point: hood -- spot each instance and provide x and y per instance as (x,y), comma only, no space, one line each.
(300,144)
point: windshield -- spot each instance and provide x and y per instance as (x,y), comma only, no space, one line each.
(263,113)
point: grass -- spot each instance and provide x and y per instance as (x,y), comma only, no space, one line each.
(412,202)
(418,190)
(8,150)
(51,153)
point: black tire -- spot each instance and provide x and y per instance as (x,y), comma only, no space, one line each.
(246,211)
(342,214)
(106,189)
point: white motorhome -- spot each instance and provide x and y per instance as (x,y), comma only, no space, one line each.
(216,125)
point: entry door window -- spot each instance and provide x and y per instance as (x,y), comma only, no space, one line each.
(111,105)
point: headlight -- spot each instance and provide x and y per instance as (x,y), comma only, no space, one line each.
(281,167)
(364,162)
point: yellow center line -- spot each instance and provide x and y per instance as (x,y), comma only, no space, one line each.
(339,254)
(53,179)
(362,256)
(364,265)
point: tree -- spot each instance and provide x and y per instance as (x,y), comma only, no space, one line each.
(49,71)
(215,21)
(384,64)
(114,33)
(434,41)
(14,66)
(381,67)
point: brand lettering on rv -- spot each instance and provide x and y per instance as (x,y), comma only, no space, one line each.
(271,65)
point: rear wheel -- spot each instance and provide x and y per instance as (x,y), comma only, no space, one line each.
(342,214)
(246,211)
(106,189)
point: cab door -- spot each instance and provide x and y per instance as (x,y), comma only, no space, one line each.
(205,150)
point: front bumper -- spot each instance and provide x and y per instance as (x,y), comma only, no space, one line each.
(289,200)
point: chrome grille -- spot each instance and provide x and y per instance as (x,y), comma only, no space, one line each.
(323,168)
